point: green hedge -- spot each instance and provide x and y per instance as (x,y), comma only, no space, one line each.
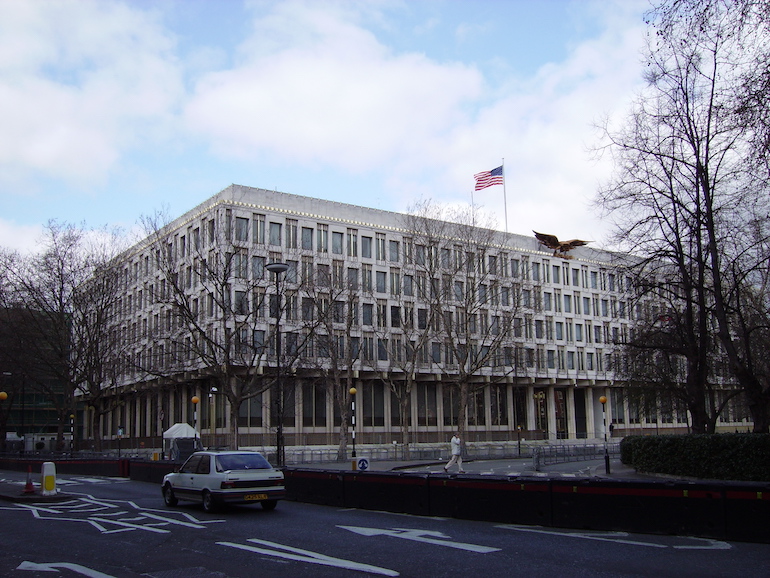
(706,456)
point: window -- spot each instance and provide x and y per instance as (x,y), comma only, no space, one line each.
(368,313)
(323,276)
(394,251)
(408,285)
(382,349)
(381,281)
(241,229)
(504,296)
(352,279)
(258,222)
(395,282)
(395,316)
(337,240)
(240,263)
(576,277)
(323,238)
(366,280)
(291,233)
(382,313)
(258,267)
(275,233)
(422,318)
(337,272)
(366,247)
(352,243)
(556,273)
(307,238)
(559,330)
(568,304)
(380,248)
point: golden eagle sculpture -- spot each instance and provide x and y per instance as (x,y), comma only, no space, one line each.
(560,248)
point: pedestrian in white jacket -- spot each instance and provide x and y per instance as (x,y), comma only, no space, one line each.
(457,457)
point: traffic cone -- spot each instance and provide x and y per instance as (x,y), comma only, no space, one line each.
(29,488)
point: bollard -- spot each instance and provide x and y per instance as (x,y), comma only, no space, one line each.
(48,479)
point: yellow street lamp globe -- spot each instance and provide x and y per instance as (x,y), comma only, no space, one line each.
(602,400)
(3,396)
(195,399)
(353,391)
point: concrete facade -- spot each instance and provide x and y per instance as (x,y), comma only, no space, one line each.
(555,359)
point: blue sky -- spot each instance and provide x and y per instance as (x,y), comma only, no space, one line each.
(113,110)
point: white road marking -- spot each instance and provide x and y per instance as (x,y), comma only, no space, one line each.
(105,515)
(52,567)
(616,537)
(299,555)
(420,536)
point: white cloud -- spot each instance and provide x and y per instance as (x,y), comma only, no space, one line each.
(82,79)
(19,237)
(315,87)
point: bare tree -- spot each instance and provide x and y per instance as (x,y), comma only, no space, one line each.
(212,307)
(61,317)
(330,341)
(466,328)
(685,185)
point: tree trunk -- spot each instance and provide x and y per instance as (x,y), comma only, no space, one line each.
(234,435)
(404,411)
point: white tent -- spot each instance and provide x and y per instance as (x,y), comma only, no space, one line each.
(180,440)
(180,430)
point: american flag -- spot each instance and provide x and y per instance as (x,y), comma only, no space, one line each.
(489,178)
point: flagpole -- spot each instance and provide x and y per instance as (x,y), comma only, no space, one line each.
(505,199)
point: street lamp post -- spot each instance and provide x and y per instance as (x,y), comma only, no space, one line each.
(72,434)
(603,401)
(353,392)
(277,269)
(195,401)
(518,436)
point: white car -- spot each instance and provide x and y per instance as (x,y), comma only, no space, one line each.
(218,477)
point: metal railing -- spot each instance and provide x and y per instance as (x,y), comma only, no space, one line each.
(560,454)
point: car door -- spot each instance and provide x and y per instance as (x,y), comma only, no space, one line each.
(186,479)
(203,475)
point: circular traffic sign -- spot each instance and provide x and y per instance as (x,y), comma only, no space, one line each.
(363,464)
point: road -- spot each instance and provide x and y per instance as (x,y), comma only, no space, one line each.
(120,528)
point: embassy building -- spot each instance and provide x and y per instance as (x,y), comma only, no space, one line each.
(421,316)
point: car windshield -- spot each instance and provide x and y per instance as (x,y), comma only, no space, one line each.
(242,462)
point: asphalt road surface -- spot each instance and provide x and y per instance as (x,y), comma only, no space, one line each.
(120,528)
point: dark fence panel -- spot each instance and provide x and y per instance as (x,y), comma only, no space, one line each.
(680,507)
(151,471)
(78,467)
(747,512)
(520,501)
(387,491)
(315,486)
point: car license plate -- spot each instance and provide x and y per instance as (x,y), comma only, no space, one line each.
(251,497)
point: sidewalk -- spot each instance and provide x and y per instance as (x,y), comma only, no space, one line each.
(501,467)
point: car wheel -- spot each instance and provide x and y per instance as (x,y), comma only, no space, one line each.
(269,504)
(169,497)
(208,501)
